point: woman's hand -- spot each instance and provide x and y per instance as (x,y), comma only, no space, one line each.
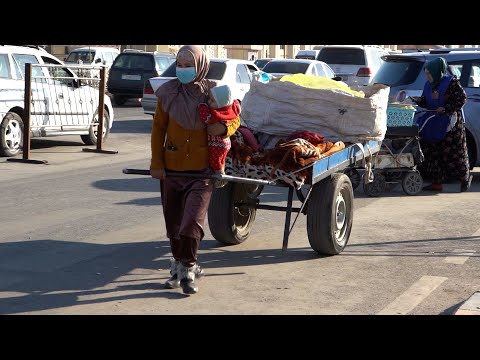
(440,110)
(415,99)
(158,173)
(217,129)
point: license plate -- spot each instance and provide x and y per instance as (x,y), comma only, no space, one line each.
(344,78)
(131,77)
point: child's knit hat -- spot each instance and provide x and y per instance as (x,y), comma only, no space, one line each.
(222,95)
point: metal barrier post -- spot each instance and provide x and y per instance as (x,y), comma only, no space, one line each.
(101,112)
(28,101)
(26,120)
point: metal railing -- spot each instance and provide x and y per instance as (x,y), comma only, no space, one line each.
(63,104)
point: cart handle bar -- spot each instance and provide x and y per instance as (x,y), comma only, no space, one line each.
(204,176)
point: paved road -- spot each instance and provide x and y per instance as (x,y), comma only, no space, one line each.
(79,237)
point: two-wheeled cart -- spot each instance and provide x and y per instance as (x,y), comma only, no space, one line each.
(326,197)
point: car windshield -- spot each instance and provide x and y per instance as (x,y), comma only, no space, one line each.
(398,72)
(163,62)
(216,71)
(342,56)
(85,56)
(261,63)
(286,67)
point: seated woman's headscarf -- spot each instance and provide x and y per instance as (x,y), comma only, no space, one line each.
(438,69)
(181,100)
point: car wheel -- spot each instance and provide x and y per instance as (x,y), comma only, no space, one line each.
(11,134)
(119,100)
(91,138)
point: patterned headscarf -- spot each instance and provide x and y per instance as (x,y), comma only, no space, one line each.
(181,101)
(438,69)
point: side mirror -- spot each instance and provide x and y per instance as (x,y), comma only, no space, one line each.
(97,61)
(337,78)
(65,58)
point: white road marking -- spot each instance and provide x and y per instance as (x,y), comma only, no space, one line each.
(460,257)
(418,292)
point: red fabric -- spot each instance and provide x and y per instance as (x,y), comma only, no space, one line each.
(224,114)
(218,147)
(312,138)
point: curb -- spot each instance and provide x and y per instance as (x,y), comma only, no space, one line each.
(471,306)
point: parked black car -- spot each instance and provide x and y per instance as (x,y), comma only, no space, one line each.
(130,70)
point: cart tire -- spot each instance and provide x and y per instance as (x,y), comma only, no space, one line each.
(228,224)
(355,177)
(412,182)
(330,214)
(377,187)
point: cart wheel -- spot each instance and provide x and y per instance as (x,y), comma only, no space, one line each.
(330,214)
(412,182)
(376,187)
(230,224)
(354,176)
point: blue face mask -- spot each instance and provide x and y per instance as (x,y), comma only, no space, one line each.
(186,75)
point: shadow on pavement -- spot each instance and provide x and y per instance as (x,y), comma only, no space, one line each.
(89,268)
(138,126)
(142,202)
(36,144)
(140,183)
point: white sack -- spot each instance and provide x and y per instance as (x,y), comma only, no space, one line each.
(280,108)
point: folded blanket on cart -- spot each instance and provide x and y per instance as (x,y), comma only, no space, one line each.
(283,162)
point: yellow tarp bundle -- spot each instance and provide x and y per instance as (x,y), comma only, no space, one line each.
(401,106)
(317,82)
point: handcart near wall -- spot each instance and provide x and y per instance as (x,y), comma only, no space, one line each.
(326,198)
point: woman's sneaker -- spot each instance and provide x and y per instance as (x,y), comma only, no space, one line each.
(174,282)
(187,279)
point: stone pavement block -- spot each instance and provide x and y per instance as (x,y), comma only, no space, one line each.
(471,306)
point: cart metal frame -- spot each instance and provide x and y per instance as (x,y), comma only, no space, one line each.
(352,157)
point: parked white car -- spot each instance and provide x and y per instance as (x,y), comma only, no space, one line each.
(281,67)
(60,105)
(92,55)
(96,55)
(234,72)
(356,64)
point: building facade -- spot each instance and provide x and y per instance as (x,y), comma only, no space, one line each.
(245,52)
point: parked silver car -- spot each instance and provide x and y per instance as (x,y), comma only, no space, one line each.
(281,67)
(356,64)
(234,72)
(405,72)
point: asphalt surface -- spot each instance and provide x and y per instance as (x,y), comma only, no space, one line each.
(80,237)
